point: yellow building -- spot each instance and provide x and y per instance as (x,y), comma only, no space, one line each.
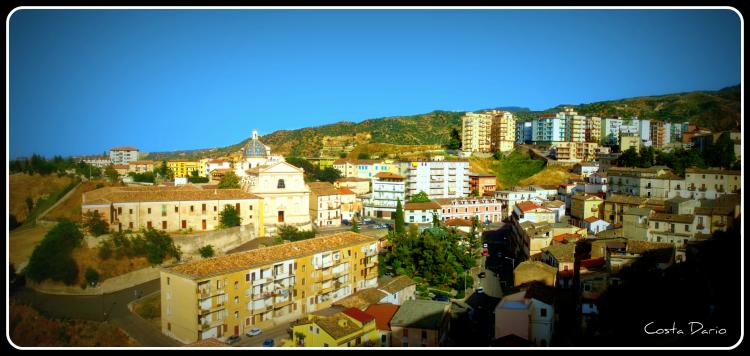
(336,328)
(583,206)
(503,132)
(183,168)
(630,140)
(476,132)
(231,294)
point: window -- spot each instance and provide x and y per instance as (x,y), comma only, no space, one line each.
(280,184)
(236,285)
(204,208)
(247,277)
(130,211)
(148,210)
(656,225)
(191,209)
(687,228)
(176,209)
(236,315)
(214,208)
(236,301)
(119,210)
(167,280)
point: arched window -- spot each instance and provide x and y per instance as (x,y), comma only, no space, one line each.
(280,185)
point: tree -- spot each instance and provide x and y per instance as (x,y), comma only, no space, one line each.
(454,143)
(111,174)
(92,276)
(629,158)
(196,178)
(30,204)
(398,216)
(52,259)
(329,174)
(206,251)
(229,181)
(647,157)
(229,217)
(343,155)
(292,233)
(309,169)
(94,223)
(363,155)
(435,220)
(355,225)
(721,152)
(413,231)
(300,338)
(165,172)
(12,222)
(420,197)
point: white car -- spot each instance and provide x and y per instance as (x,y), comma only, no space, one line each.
(254,332)
(480,290)
(485,245)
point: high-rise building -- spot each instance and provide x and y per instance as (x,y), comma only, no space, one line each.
(523,132)
(547,129)
(439,179)
(660,133)
(123,155)
(593,129)
(476,132)
(503,134)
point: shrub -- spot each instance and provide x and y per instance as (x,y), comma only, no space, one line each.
(94,223)
(92,276)
(105,250)
(229,217)
(206,251)
(291,233)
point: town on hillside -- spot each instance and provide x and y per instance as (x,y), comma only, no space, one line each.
(256,249)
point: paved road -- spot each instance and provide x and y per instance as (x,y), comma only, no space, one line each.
(277,333)
(112,307)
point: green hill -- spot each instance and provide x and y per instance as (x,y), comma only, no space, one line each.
(716,110)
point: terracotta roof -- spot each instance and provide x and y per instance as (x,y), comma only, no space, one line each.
(592,219)
(586,197)
(211,342)
(680,218)
(359,315)
(222,170)
(566,236)
(267,255)
(625,199)
(352,179)
(482,175)
(157,194)
(422,314)
(144,162)
(362,298)
(712,171)
(322,188)
(383,314)
(528,206)
(638,246)
(120,166)
(553,203)
(126,148)
(389,175)
(593,262)
(332,326)
(458,222)
(346,191)
(421,206)
(395,284)
(561,252)
(535,266)
(718,210)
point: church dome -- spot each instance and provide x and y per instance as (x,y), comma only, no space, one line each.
(255,148)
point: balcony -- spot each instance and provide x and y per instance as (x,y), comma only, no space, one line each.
(702,189)
(700,226)
(720,224)
(720,190)
(261,281)
(203,293)
(691,188)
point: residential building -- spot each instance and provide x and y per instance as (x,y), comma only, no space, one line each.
(216,174)
(660,133)
(595,225)
(383,314)
(557,207)
(482,184)
(476,132)
(534,271)
(421,323)
(123,155)
(349,328)
(672,228)
(393,290)
(612,128)
(439,179)
(644,130)
(635,223)
(122,169)
(183,168)
(325,204)
(529,314)
(529,238)
(360,186)
(421,213)
(509,198)
(583,206)
(523,132)
(99,162)
(575,128)
(530,211)
(709,183)
(676,130)
(628,141)
(692,131)
(209,165)
(560,256)
(503,131)
(574,151)
(656,181)
(486,209)
(586,169)
(140,166)
(286,197)
(351,207)
(387,189)
(547,130)
(171,208)
(364,168)
(230,294)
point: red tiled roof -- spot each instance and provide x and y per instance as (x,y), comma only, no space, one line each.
(591,219)
(565,236)
(422,206)
(528,205)
(346,191)
(383,314)
(120,166)
(389,175)
(458,222)
(359,315)
(593,262)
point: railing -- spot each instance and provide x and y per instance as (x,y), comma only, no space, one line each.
(702,189)
(720,224)
(700,226)
(203,293)
(720,190)
(691,188)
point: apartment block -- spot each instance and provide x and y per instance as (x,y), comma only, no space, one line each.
(523,132)
(476,132)
(503,135)
(351,207)
(482,184)
(228,295)
(583,206)
(348,328)
(439,179)
(644,130)
(656,181)
(709,183)
(421,323)
(572,151)
(421,213)
(486,209)
(387,189)
(123,155)
(594,129)
(172,209)
(547,130)
(509,198)
(140,166)
(364,168)
(325,204)
(628,141)
(359,186)
(99,162)
(183,168)
(660,133)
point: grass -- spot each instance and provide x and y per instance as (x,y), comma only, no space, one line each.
(30,328)
(71,208)
(89,257)
(43,204)
(515,167)
(39,188)
(378,149)
(149,308)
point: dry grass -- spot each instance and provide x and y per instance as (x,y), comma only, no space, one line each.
(149,308)
(481,165)
(89,257)
(71,208)
(35,186)
(29,328)
(550,175)
(22,242)
(385,148)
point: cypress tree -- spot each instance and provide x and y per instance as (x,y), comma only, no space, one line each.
(399,217)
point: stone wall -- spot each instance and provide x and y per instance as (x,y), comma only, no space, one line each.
(221,240)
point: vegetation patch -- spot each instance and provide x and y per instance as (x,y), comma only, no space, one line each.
(515,167)
(43,191)
(149,307)
(70,208)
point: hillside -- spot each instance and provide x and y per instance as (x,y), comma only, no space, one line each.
(716,110)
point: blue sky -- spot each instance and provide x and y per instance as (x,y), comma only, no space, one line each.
(83,81)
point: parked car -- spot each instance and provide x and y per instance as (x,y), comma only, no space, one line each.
(268,343)
(480,290)
(345,222)
(254,332)
(485,245)
(482,274)
(233,339)
(442,298)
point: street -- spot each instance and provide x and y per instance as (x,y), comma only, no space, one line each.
(277,333)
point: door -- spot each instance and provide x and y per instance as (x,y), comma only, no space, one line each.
(236,330)
(184,224)
(237,207)
(164,225)
(204,224)
(281,216)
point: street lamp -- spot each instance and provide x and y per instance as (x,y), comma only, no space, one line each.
(513,262)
